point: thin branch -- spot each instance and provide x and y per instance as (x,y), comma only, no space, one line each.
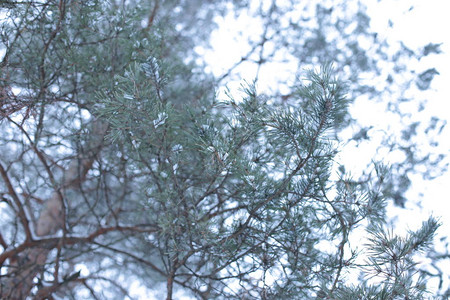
(18,203)
(3,242)
(52,242)
(151,17)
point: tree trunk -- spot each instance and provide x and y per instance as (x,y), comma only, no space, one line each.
(27,264)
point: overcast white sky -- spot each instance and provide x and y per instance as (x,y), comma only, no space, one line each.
(427,22)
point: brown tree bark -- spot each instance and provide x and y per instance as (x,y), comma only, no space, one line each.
(26,264)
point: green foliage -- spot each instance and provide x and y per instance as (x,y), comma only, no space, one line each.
(114,136)
(245,192)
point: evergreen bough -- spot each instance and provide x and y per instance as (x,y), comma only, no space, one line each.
(119,166)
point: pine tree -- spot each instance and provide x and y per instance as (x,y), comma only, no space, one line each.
(119,165)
